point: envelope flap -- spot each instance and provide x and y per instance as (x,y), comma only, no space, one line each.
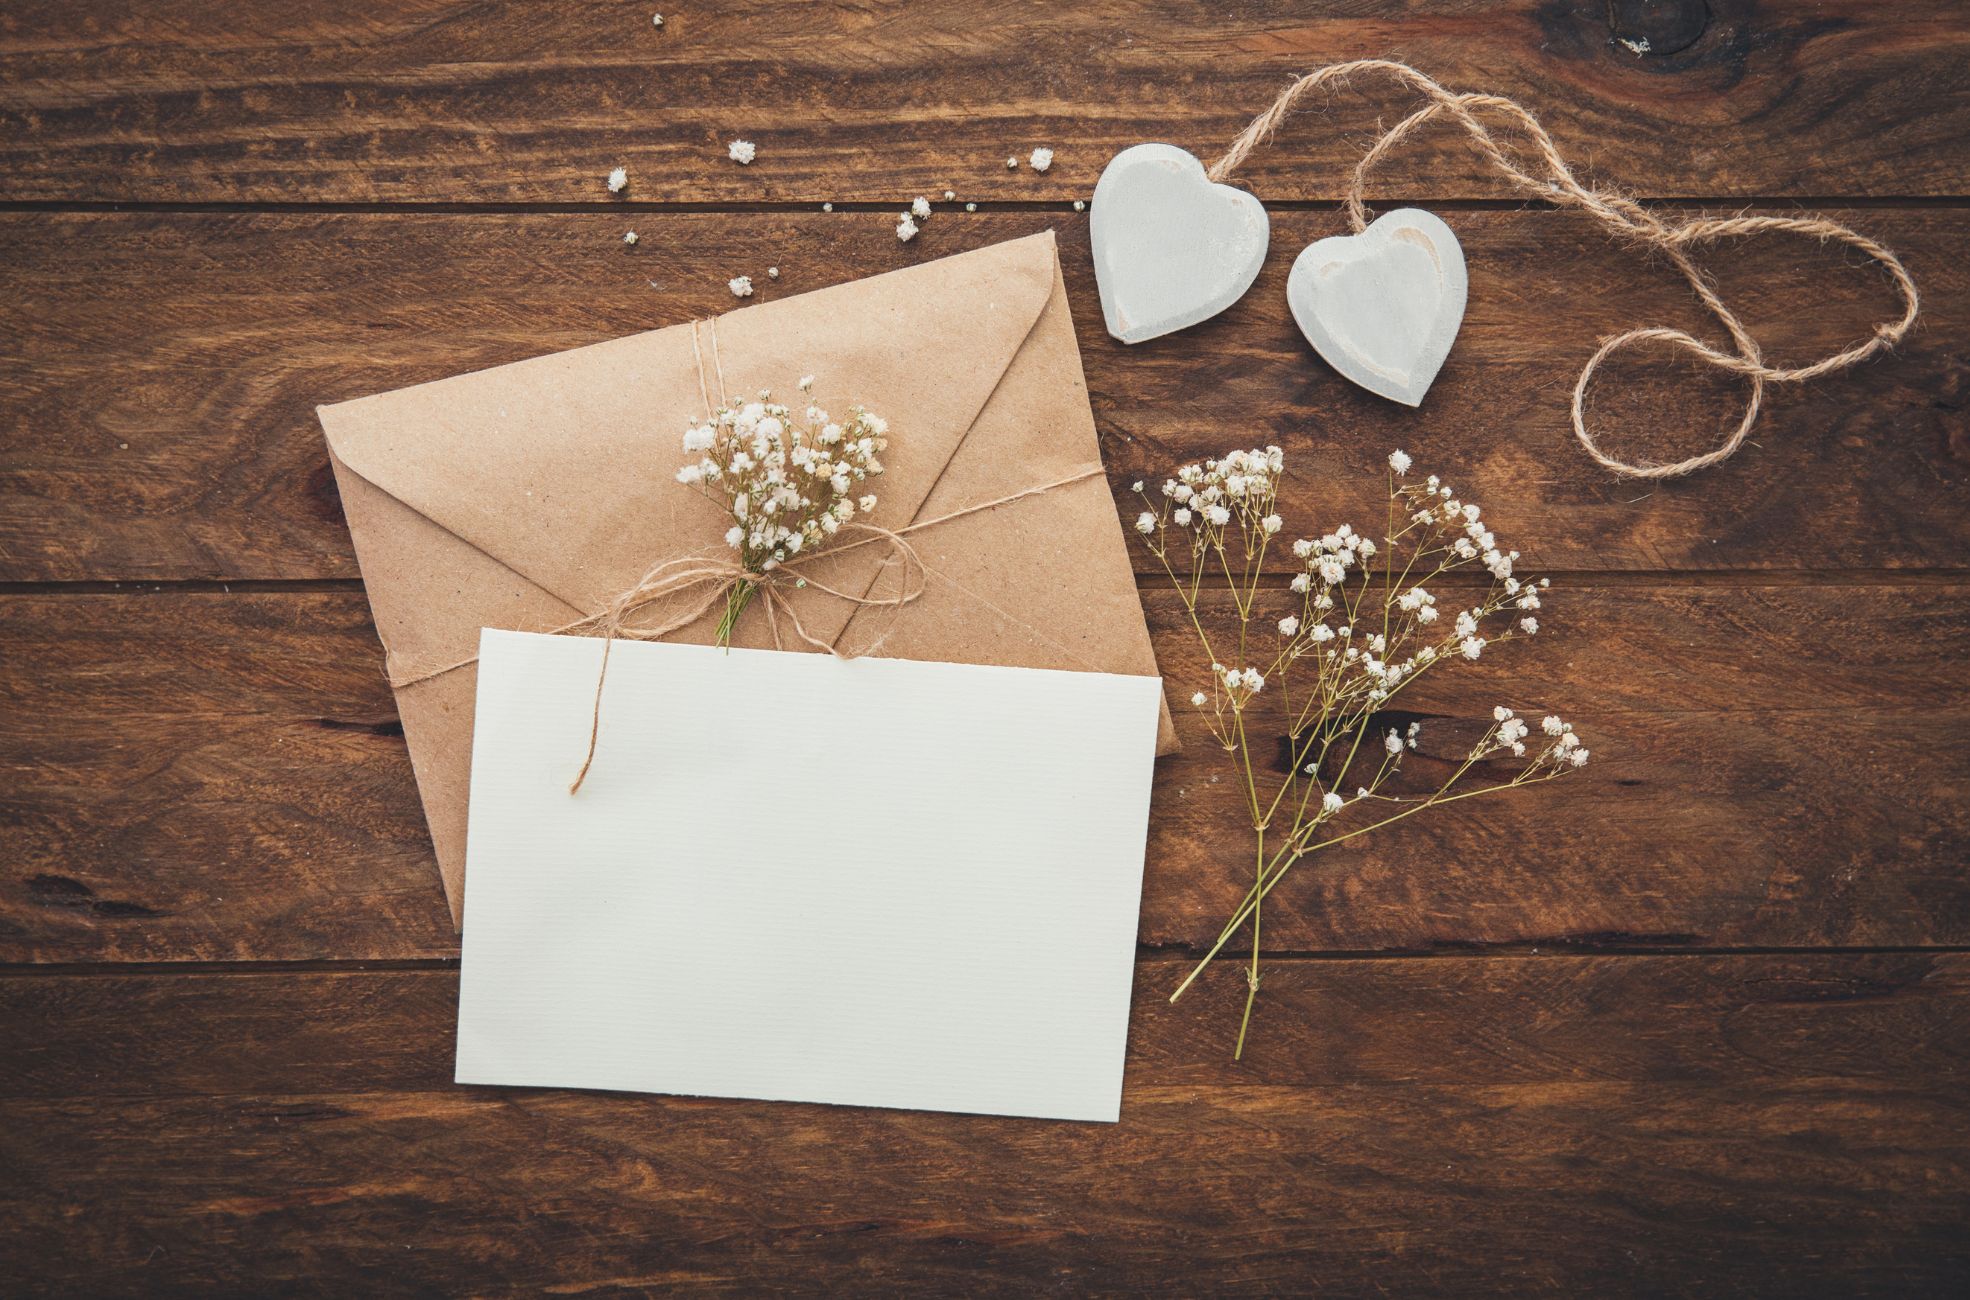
(563,467)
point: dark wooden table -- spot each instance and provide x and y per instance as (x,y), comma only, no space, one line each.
(1697,1022)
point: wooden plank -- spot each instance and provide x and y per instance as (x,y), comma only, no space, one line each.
(165,369)
(218,777)
(443,100)
(1740,1021)
(1813,1187)
(1773,1124)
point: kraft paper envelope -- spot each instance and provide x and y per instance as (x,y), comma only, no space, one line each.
(868,882)
(531,494)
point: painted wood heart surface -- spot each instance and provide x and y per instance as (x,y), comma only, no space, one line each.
(1171,248)
(1383,307)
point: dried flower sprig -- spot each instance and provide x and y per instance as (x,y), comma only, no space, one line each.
(788,481)
(1363,633)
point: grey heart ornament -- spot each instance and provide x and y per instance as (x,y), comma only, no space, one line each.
(1171,247)
(1383,307)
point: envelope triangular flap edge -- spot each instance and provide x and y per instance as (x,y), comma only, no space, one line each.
(561,467)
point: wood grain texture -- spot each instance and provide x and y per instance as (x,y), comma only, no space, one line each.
(220,777)
(166,367)
(1473,1125)
(1498,1052)
(1671,1019)
(523,101)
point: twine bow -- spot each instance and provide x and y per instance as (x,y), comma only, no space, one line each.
(716,577)
(1625,219)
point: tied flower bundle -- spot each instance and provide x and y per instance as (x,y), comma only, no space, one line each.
(788,484)
(1366,628)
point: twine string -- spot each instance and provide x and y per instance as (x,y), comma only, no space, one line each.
(1622,217)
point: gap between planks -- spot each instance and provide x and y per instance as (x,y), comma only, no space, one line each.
(1146,955)
(1149,579)
(949,207)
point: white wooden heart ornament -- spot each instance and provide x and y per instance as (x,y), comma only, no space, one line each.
(1383,306)
(1171,248)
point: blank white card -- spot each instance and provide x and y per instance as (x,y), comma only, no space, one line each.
(875,882)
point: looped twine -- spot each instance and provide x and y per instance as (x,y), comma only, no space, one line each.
(714,578)
(1624,218)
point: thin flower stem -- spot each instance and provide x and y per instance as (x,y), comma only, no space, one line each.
(1257,895)
(736,601)
(1252,978)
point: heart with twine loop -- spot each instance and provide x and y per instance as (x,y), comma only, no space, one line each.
(1383,307)
(1171,248)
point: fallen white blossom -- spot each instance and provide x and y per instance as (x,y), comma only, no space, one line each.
(1042,159)
(906,229)
(618,180)
(740,285)
(742,152)
(629,237)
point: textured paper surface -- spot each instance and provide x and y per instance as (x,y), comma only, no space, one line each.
(528,495)
(872,882)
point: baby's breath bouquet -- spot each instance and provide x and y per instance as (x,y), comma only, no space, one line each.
(1363,626)
(788,483)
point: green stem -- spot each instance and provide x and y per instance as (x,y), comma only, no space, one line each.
(735,603)
(1252,977)
(1291,854)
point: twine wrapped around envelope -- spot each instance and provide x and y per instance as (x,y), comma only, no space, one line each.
(706,577)
(1621,217)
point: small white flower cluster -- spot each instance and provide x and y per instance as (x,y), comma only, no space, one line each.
(742,152)
(788,482)
(618,180)
(1241,486)
(1042,159)
(1236,685)
(1328,559)
(1435,505)
(1563,749)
